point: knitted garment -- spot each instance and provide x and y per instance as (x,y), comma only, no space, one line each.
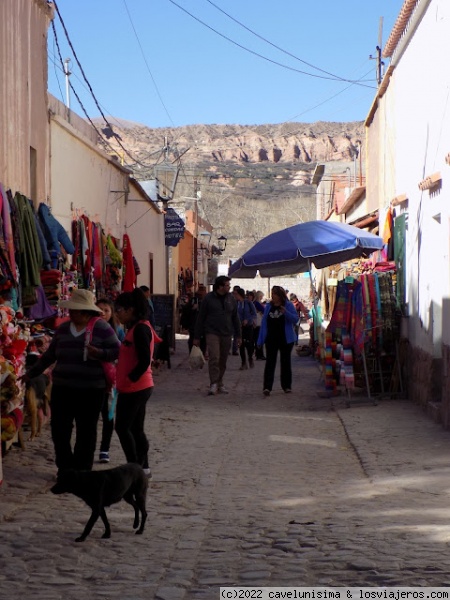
(30,250)
(67,351)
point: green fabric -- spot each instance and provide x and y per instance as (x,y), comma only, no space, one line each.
(30,250)
(400,227)
(114,254)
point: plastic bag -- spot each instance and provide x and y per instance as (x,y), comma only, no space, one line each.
(196,358)
(112,401)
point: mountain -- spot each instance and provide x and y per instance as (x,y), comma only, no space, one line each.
(251,179)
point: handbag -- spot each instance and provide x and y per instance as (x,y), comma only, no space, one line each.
(109,368)
(196,358)
(258,320)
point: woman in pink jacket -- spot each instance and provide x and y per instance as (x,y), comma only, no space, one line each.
(134,379)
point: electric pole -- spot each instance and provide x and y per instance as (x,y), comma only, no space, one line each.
(380,63)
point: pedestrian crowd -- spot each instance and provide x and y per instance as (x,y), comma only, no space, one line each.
(101,359)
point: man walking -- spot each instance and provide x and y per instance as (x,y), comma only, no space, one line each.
(218,320)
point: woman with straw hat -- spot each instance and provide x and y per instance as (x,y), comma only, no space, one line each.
(79,386)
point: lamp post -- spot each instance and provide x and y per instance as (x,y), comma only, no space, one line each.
(222,243)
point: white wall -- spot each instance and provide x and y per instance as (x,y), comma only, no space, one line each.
(415,138)
(145,226)
(83,178)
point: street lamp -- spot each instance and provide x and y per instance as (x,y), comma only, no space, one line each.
(166,175)
(222,243)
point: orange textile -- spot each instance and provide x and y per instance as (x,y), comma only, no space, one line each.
(387,229)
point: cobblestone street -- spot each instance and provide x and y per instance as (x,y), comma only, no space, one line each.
(247,490)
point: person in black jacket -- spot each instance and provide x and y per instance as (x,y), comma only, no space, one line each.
(218,320)
(189,316)
(151,309)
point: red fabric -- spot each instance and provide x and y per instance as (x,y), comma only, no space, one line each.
(97,251)
(129,276)
(127,362)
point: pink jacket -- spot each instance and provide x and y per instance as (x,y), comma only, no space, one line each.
(128,361)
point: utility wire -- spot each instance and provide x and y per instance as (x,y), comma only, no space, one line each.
(333,78)
(90,87)
(56,72)
(281,49)
(99,132)
(100,136)
(180,164)
(146,63)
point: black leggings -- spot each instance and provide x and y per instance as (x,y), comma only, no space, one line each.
(247,343)
(130,418)
(81,406)
(272,349)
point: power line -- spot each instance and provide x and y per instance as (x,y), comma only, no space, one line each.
(146,63)
(90,87)
(105,143)
(281,49)
(333,78)
(99,132)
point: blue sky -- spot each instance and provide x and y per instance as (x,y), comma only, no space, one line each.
(149,61)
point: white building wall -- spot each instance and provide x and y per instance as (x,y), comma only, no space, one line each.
(422,116)
(145,226)
(84,179)
(415,138)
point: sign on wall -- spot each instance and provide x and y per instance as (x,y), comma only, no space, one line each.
(173,227)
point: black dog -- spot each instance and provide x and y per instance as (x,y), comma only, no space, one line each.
(103,488)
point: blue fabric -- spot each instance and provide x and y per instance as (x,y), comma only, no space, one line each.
(290,318)
(246,312)
(43,244)
(54,234)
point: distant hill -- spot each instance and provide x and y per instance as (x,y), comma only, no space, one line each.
(253,179)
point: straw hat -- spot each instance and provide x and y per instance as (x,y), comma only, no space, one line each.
(81,300)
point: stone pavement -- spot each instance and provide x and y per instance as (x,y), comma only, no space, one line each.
(247,490)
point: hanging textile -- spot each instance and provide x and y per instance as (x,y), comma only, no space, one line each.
(55,234)
(129,274)
(7,228)
(30,251)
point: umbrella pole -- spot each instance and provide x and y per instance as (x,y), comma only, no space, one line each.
(315,303)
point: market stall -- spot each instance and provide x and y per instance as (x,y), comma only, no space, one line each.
(39,266)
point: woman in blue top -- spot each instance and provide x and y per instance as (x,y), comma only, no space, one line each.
(278,334)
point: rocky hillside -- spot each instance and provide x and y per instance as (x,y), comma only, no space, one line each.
(252,179)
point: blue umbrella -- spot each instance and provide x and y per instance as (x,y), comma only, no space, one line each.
(292,250)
